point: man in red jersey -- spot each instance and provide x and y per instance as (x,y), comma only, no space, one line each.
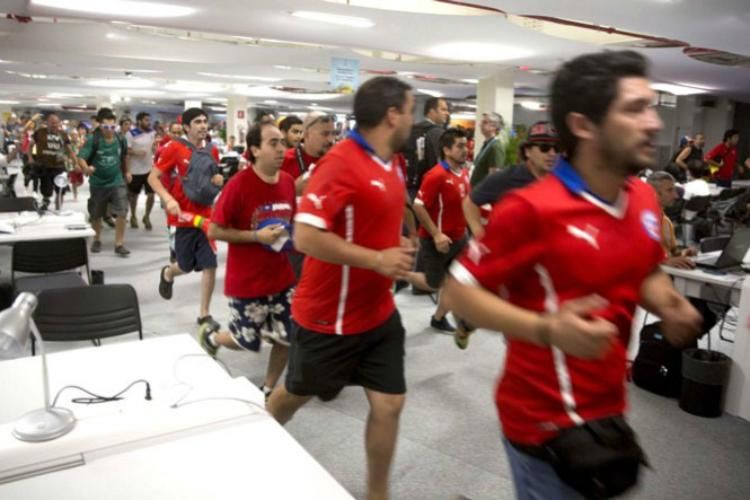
(254,214)
(349,226)
(192,248)
(724,155)
(562,266)
(317,139)
(438,207)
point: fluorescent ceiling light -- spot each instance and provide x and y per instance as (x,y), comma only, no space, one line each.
(281,66)
(122,83)
(270,101)
(477,52)
(472,81)
(677,89)
(417,7)
(272,93)
(201,87)
(315,107)
(126,8)
(4,101)
(323,17)
(138,92)
(433,93)
(463,116)
(241,77)
(533,105)
(218,108)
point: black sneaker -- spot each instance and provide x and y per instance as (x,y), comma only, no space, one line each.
(442,324)
(122,251)
(165,287)
(108,221)
(96,246)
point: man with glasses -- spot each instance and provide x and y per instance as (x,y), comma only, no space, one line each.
(103,159)
(317,138)
(539,154)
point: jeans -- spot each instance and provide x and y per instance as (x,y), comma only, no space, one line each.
(535,479)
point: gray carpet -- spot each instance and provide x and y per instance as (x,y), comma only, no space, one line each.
(449,445)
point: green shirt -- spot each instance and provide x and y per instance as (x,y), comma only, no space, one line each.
(492,156)
(106,162)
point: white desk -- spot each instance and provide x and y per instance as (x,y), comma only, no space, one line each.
(729,289)
(217,448)
(29,226)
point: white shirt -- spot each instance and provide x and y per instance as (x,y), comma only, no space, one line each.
(140,140)
(697,187)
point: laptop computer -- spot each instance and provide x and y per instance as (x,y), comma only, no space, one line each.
(732,255)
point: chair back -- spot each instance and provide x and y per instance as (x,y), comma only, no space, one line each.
(88,312)
(23,204)
(50,256)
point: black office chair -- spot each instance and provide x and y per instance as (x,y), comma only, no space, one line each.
(713,243)
(87,313)
(53,261)
(24,204)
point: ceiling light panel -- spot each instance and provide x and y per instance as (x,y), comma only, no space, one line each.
(477,52)
(324,17)
(122,83)
(125,8)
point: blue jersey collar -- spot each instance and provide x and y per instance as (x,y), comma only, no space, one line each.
(445,165)
(572,180)
(357,137)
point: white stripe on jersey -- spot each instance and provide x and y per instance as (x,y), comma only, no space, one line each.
(551,305)
(349,235)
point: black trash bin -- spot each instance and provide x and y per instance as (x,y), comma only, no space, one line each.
(704,376)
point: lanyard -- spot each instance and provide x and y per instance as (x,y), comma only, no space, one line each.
(300,160)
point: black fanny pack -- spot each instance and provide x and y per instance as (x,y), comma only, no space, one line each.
(599,459)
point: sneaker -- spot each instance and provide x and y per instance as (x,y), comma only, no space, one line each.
(147,223)
(442,324)
(96,246)
(108,221)
(208,320)
(204,332)
(462,333)
(133,222)
(122,251)
(165,287)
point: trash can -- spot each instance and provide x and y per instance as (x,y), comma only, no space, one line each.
(97,277)
(704,377)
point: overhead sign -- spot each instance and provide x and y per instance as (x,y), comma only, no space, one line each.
(344,74)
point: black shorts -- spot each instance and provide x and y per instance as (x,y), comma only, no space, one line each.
(47,181)
(193,251)
(436,263)
(322,364)
(140,182)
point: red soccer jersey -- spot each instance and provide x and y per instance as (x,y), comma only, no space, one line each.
(549,243)
(355,195)
(292,159)
(245,203)
(442,193)
(176,155)
(728,157)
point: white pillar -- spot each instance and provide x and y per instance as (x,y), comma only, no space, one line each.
(495,93)
(237,118)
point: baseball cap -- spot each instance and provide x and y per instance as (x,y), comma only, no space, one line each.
(542,132)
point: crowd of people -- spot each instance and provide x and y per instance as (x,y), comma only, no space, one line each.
(318,230)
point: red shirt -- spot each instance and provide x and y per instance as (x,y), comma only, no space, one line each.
(442,193)
(245,202)
(176,155)
(292,159)
(357,196)
(728,156)
(549,243)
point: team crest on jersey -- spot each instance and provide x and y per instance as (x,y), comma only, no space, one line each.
(651,224)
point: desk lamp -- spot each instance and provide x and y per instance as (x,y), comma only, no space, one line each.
(45,423)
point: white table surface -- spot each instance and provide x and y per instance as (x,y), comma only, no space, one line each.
(29,226)
(221,444)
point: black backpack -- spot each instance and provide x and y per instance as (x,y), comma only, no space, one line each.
(419,158)
(96,137)
(658,366)
(196,184)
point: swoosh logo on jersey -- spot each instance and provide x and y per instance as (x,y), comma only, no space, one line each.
(586,236)
(317,201)
(378,184)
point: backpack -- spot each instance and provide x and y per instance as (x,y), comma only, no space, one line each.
(97,136)
(418,158)
(196,184)
(658,365)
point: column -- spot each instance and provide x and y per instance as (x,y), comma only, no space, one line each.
(192,103)
(237,118)
(495,93)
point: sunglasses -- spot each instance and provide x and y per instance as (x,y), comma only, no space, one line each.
(108,127)
(545,148)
